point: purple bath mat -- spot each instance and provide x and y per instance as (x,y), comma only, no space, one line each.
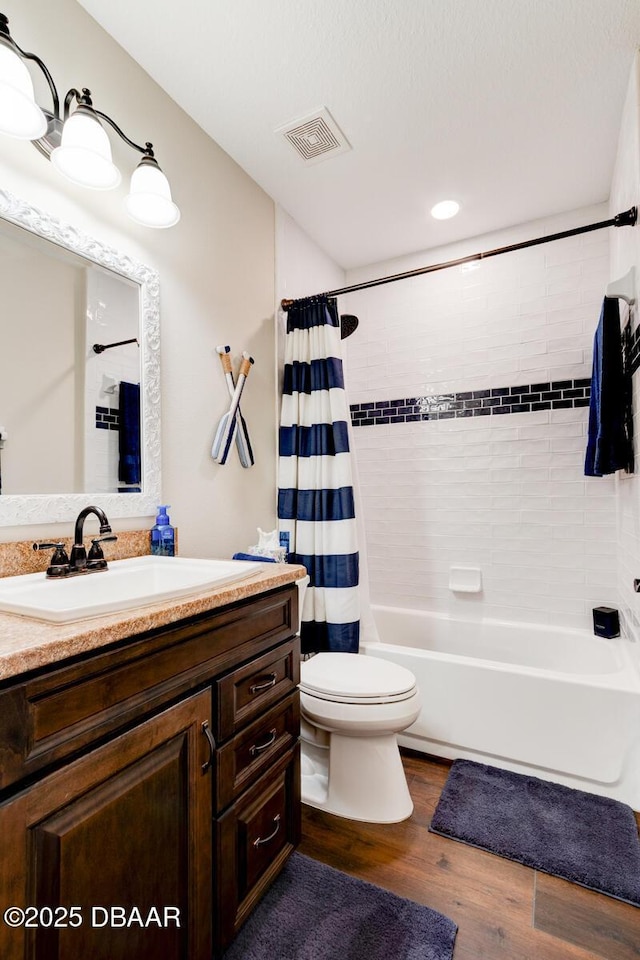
(568,833)
(313,912)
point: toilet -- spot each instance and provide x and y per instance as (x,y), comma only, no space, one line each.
(352,709)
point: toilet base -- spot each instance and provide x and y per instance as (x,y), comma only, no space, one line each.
(359,778)
(314,769)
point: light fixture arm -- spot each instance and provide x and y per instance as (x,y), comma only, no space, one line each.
(6,38)
(146,151)
(84,100)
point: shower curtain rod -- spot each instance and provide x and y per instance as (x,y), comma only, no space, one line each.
(626,219)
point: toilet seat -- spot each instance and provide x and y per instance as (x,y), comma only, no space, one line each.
(350,678)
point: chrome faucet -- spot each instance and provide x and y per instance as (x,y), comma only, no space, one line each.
(78,561)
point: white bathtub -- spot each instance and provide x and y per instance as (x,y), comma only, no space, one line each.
(559,704)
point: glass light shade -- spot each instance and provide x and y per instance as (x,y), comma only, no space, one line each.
(20,115)
(84,154)
(149,200)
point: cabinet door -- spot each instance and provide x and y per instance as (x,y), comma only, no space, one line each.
(254,839)
(123,835)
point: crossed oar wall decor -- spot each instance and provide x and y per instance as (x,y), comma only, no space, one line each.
(232,424)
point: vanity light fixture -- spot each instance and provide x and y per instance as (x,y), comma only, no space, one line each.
(76,142)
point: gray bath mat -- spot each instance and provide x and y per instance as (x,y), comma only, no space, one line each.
(568,833)
(313,912)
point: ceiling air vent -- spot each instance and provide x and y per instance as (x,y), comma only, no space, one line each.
(315,137)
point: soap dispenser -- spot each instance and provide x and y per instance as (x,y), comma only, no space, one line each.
(162,535)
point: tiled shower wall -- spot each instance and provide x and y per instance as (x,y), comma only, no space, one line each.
(499,359)
(625,253)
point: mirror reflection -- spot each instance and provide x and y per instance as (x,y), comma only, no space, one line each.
(69,413)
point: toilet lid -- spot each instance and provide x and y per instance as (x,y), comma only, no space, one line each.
(348,676)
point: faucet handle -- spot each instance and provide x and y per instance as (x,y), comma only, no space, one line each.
(59,566)
(95,558)
(46,545)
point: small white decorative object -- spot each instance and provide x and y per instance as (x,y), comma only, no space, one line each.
(465,579)
(268,540)
(268,545)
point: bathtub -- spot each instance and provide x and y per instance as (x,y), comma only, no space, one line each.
(559,704)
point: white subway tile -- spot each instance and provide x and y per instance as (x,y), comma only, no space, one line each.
(506,493)
(561,253)
(569,414)
(581,312)
(570,284)
(555,332)
(566,444)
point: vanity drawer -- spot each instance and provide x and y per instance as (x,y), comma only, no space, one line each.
(245,693)
(254,839)
(48,717)
(252,751)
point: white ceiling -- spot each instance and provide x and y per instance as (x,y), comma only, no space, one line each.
(512,107)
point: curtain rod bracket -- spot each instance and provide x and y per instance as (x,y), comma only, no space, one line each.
(627,219)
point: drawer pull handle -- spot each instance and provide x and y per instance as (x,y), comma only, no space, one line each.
(259,747)
(262,840)
(259,687)
(212,746)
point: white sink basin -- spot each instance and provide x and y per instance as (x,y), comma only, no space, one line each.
(125,585)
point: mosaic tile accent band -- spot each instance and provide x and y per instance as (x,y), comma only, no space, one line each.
(552,395)
(107,418)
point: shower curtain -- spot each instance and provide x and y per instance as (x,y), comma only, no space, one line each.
(315,495)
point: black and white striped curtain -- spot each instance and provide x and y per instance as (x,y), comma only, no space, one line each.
(315,497)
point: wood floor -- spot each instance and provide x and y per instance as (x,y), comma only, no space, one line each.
(504,911)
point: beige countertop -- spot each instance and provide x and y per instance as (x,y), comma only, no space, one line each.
(26,644)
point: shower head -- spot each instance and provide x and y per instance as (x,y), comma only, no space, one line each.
(348,324)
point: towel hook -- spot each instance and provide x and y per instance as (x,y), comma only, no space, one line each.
(624,288)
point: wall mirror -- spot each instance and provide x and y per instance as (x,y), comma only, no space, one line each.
(79,373)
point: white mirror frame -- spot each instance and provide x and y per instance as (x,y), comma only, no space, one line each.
(55,508)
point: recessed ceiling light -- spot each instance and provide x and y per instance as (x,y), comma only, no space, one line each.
(445,209)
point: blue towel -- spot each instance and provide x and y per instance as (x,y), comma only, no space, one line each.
(252,556)
(129,433)
(609,445)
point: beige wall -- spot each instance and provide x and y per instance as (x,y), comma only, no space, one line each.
(38,383)
(216,271)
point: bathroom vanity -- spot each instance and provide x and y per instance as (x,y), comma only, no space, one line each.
(149,773)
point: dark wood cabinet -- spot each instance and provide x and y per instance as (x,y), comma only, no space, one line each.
(151,791)
(254,838)
(127,825)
